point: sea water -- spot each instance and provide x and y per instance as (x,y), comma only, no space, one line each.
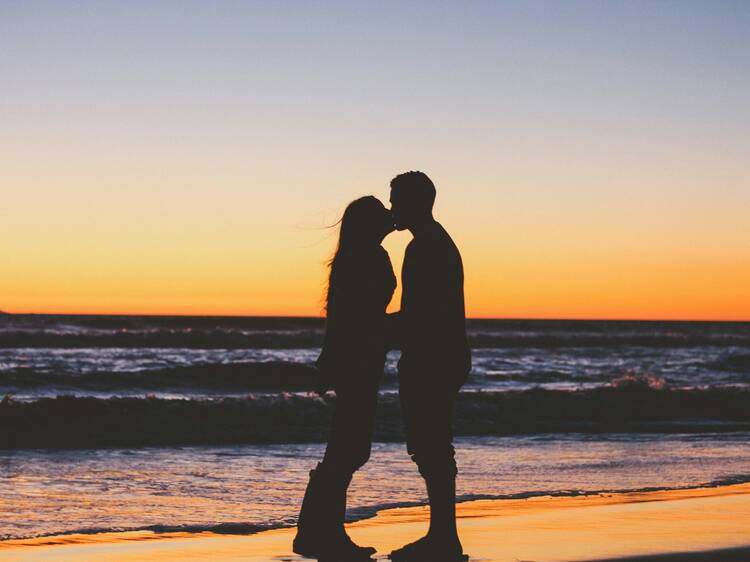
(117,422)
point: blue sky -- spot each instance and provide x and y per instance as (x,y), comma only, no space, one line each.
(608,132)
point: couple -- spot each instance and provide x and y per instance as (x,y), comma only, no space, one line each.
(430,330)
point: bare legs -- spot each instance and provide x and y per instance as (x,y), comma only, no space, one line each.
(428,413)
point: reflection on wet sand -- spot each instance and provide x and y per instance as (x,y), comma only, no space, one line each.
(543,529)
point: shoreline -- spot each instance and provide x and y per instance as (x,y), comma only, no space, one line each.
(623,527)
(354,515)
(741,554)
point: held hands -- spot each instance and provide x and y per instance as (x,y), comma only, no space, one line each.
(337,363)
(324,379)
(393,331)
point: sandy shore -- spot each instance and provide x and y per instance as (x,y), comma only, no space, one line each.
(711,524)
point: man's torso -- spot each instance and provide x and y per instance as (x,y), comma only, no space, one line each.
(432,308)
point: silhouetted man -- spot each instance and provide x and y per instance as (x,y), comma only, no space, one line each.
(435,359)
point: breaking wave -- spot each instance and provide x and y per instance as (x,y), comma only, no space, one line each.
(236,377)
(639,405)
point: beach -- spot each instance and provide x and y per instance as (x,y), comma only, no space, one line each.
(708,524)
(191,438)
(326,264)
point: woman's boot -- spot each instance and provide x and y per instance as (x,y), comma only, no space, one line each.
(320,526)
(338,507)
(308,522)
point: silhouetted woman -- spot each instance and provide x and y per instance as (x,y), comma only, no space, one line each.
(360,285)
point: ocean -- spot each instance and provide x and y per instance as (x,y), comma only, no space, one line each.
(195,423)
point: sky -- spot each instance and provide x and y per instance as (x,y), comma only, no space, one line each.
(591,158)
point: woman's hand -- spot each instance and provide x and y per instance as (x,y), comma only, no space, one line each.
(323,374)
(323,381)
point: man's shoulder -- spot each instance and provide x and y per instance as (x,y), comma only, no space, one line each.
(440,241)
(435,242)
(441,234)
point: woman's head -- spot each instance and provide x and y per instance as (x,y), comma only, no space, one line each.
(365,222)
(363,226)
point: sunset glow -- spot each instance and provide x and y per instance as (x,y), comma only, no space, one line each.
(590,162)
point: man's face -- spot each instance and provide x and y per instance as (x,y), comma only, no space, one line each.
(399,210)
(387,220)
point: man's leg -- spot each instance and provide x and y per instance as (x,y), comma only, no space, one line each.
(428,414)
(441,490)
(435,458)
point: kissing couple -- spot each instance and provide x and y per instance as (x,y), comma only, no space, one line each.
(430,331)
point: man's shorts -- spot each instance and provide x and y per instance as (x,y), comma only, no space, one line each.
(427,405)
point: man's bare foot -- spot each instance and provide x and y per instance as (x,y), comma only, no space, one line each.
(411,551)
(428,549)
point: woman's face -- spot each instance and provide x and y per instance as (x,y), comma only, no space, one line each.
(385,221)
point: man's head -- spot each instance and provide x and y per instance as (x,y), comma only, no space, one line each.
(412,197)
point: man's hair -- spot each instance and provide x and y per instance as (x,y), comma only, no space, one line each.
(418,185)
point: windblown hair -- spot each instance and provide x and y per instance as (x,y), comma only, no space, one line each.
(357,229)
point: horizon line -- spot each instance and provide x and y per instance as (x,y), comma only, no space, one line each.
(304,316)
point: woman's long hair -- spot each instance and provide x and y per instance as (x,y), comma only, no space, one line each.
(358,228)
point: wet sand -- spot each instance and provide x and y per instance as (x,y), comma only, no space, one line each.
(706,524)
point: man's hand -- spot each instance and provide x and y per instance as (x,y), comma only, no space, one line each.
(323,381)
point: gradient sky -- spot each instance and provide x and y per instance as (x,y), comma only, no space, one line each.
(592,159)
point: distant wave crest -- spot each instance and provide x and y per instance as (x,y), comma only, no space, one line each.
(70,421)
(737,362)
(234,377)
(298,339)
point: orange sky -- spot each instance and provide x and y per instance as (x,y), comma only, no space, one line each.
(591,162)
(181,257)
